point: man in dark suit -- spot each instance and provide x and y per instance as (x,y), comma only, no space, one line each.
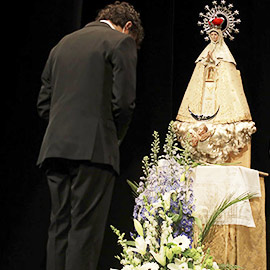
(87,96)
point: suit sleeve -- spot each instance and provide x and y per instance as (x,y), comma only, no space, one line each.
(124,60)
(44,97)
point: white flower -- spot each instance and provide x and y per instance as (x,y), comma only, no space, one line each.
(168,220)
(150,239)
(182,241)
(184,266)
(129,251)
(170,238)
(136,261)
(124,262)
(167,199)
(183,259)
(215,265)
(156,205)
(128,267)
(141,245)
(154,223)
(166,232)
(160,257)
(197,267)
(178,265)
(152,242)
(163,163)
(149,266)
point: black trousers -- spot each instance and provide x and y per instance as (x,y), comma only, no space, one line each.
(80,195)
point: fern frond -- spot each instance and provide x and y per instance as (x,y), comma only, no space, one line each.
(227,202)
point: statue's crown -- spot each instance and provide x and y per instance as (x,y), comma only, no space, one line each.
(215,16)
(216,22)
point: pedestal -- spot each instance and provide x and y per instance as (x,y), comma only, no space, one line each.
(241,245)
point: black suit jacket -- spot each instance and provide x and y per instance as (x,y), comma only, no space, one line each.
(88,95)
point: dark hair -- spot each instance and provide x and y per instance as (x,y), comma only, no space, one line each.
(213,30)
(120,13)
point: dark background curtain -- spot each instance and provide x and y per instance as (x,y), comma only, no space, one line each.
(165,65)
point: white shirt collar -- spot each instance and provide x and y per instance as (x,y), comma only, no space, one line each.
(108,22)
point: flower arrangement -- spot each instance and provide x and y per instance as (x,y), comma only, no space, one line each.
(164,216)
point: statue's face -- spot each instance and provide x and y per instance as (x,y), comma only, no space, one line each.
(214,36)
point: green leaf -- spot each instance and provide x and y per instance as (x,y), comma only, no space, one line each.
(180,211)
(174,197)
(175,218)
(171,244)
(134,187)
(131,243)
(198,222)
(183,177)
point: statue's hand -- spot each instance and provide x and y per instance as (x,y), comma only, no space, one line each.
(210,56)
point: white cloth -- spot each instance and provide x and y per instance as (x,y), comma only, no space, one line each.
(108,22)
(214,183)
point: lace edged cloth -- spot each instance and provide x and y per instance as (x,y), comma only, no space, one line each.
(212,184)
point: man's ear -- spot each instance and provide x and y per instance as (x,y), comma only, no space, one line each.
(127,26)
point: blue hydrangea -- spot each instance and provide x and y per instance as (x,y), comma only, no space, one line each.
(162,178)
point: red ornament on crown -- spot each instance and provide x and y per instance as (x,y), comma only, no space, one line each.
(216,22)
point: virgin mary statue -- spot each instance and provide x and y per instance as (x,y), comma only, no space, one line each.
(214,119)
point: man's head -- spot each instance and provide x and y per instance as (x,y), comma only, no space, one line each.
(125,18)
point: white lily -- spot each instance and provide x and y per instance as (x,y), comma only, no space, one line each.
(149,266)
(160,257)
(141,245)
(178,265)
